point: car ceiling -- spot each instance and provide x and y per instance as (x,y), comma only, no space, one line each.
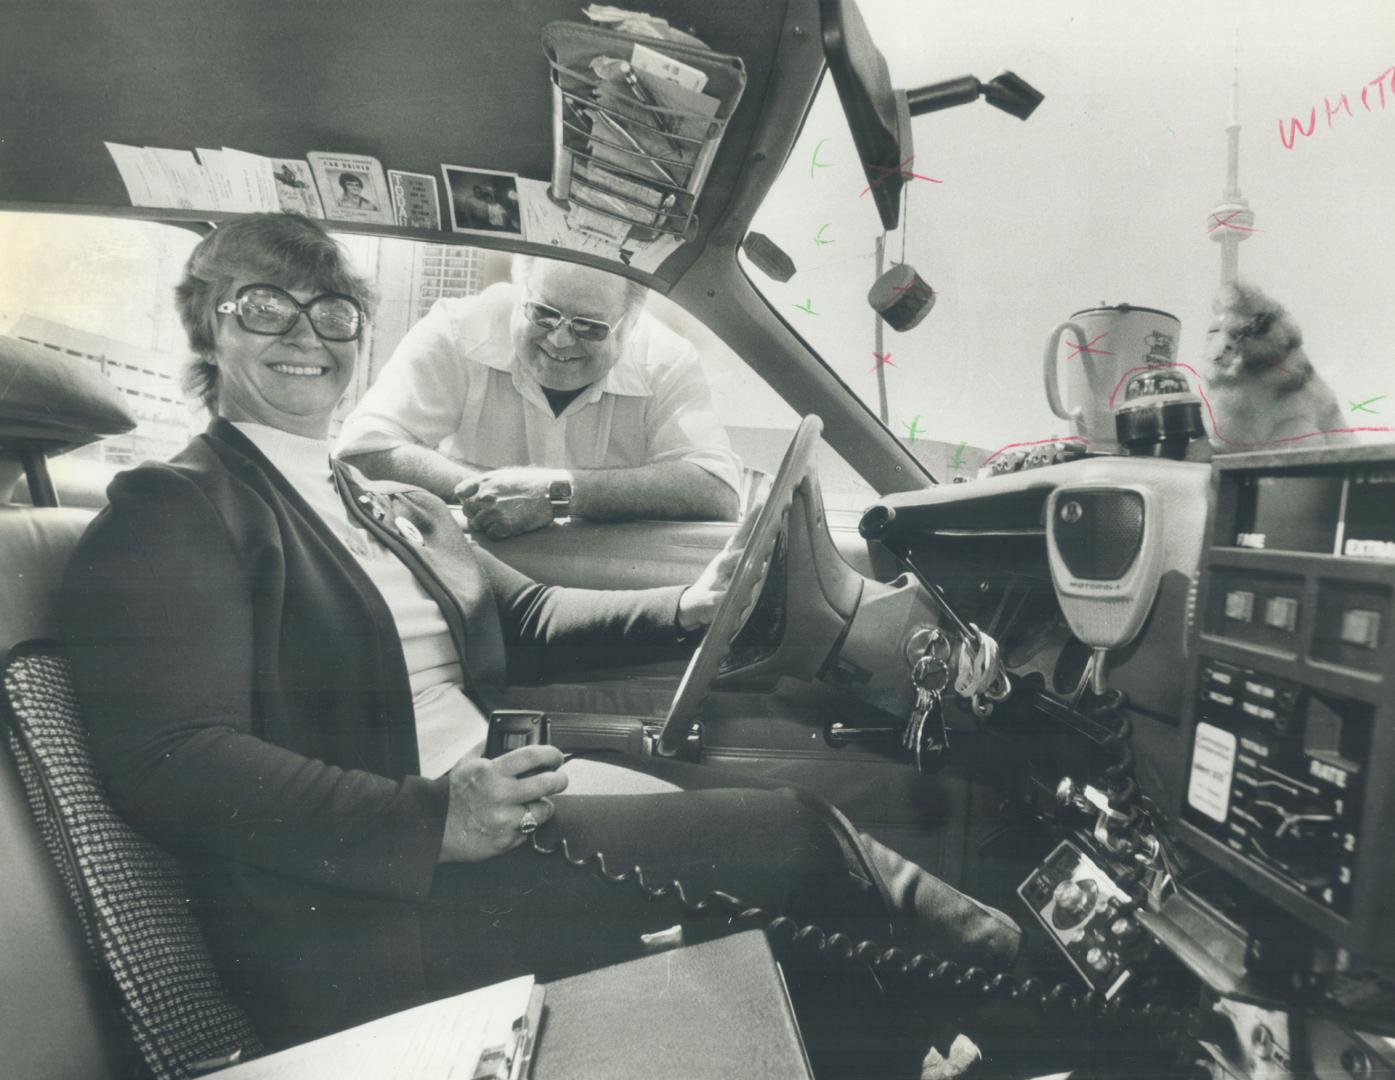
(415,85)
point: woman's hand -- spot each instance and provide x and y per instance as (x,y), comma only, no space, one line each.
(700,600)
(488,800)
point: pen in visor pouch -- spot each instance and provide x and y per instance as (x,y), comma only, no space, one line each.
(645,98)
(632,148)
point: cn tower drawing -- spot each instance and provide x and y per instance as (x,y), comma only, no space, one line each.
(1232,220)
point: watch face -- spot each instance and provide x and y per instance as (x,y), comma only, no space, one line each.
(559,490)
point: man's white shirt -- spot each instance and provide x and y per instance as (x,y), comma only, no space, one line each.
(453,385)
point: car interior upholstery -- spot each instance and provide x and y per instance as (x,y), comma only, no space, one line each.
(52,404)
(1139,697)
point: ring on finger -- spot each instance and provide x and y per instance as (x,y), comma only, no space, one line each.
(528,824)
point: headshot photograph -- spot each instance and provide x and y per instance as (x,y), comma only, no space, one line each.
(349,192)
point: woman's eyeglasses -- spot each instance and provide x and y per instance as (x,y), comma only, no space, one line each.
(267,309)
(582,328)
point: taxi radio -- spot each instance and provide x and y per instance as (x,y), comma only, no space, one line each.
(1289,723)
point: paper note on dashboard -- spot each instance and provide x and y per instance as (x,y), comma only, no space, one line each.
(251,175)
(186,180)
(218,179)
(145,181)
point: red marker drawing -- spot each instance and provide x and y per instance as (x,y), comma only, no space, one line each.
(900,170)
(1227,222)
(1081,350)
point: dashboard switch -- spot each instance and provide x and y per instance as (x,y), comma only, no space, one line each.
(1361,628)
(1240,605)
(1075,898)
(1100,960)
(1216,675)
(1281,612)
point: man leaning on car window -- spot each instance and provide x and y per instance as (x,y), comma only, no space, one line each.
(556,395)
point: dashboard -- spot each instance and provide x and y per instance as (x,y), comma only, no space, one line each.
(984,546)
(1209,748)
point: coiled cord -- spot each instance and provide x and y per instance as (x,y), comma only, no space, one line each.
(1119,783)
(925,968)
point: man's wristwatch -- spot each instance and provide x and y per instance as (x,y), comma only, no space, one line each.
(559,494)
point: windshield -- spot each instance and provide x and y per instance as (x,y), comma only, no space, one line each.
(1113,192)
(102,290)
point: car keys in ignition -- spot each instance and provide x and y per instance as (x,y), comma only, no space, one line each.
(930,674)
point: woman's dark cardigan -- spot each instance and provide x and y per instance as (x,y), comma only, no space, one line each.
(250,708)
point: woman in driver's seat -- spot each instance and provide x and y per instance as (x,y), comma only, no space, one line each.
(279,663)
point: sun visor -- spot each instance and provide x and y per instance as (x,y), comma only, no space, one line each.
(53,398)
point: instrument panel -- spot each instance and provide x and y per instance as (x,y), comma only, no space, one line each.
(1261,719)
(1277,775)
(1288,724)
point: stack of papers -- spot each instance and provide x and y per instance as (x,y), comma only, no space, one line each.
(242,183)
(224,179)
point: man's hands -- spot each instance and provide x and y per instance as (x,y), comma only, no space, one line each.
(508,501)
(488,800)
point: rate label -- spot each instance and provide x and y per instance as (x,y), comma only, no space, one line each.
(1213,769)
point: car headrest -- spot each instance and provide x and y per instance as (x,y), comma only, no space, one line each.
(54,399)
(35,546)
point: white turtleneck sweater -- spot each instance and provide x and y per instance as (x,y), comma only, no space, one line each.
(448,723)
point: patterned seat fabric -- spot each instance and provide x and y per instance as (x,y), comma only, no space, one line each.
(131,896)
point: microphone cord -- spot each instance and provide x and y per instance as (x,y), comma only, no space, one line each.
(925,969)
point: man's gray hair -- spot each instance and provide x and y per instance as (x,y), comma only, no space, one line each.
(635,293)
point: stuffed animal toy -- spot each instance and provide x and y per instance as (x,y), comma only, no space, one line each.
(1262,387)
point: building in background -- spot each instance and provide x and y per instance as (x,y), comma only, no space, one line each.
(1232,220)
(410,277)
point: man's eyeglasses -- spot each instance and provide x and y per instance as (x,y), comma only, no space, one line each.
(267,309)
(582,328)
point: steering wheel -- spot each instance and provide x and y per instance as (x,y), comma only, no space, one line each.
(796,469)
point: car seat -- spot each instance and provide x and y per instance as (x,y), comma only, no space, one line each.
(103,969)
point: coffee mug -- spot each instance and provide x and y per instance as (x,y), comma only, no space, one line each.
(1111,342)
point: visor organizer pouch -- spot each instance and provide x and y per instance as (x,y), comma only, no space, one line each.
(636,123)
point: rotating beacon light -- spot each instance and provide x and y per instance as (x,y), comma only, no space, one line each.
(1160,415)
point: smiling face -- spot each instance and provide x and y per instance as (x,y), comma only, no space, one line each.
(291,382)
(556,358)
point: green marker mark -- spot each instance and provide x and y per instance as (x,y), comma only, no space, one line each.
(1360,406)
(815,163)
(819,240)
(913,428)
(808,306)
(957,462)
